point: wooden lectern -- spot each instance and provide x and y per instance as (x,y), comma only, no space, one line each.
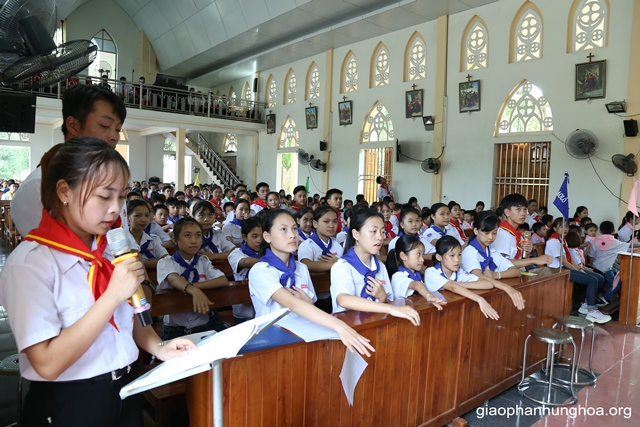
(630,289)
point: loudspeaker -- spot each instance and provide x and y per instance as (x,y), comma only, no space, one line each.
(255,85)
(630,127)
(323,146)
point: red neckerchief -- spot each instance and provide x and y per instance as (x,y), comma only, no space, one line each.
(388,230)
(58,236)
(567,254)
(260,203)
(386,187)
(214,202)
(339,229)
(515,233)
(295,207)
(456,224)
(578,222)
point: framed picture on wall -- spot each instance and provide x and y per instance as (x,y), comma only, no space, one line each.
(413,103)
(469,96)
(271,123)
(591,80)
(345,110)
(311,115)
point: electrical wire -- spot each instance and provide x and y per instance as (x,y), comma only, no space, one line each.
(417,160)
(603,184)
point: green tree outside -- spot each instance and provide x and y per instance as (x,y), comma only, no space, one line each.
(14,162)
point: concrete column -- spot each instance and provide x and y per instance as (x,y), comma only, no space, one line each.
(441,92)
(181,134)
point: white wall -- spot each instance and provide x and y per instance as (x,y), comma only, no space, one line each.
(42,140)
(96,15)
(468,164)
(155,146)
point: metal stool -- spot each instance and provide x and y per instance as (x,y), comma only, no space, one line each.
(531,387)
(9,367)
(582,376)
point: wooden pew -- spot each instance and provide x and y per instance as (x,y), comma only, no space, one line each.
(222,265)
(169,301)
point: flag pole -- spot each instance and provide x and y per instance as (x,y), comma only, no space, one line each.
(634,209)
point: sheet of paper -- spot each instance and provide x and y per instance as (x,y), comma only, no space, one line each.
(352,369)
(222,345)
(306,329)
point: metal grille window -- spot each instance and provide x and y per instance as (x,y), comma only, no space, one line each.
(292,88)
(476,47)
(523,168)
(350,74)
(271,92)
(416,59)
(313,82)
(526,110)
(230,143)
(375,162)
(528,36)
(381,67)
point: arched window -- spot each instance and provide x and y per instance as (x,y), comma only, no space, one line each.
(287,164)
(525,110)
(313,82)
(246,92)
(107,59)
(379,66)
(526,34)
(415,58)
(378,126)
(271,92)
(474,51)
(291,87)
(349,73)
(588,24)
(230,143)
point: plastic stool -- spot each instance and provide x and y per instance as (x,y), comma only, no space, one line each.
(582,376)
(531,388)
(10,367)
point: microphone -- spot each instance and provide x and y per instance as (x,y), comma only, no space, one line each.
(119,246)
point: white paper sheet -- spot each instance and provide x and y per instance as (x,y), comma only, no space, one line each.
(352,369)
(222,345)
(306,329)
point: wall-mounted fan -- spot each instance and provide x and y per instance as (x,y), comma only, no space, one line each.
(303,157)
(319,165)
(626,164)
(431,165)
(38,62)
(581,144)
(398,151)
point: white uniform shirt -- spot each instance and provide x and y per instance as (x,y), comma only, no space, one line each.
(243,311)
(346,280)
(555,249)
(310,250)
(471,259)
(382,193)
(428,247)
(430,234)
(206,271)
(264,281)
(531,219)
(45,291)
(155,247)
(434,280)
(505,243)
(395,224)
(255,209)
(156,230)
(624,234)
(400,282)
(234,231)
(221,243)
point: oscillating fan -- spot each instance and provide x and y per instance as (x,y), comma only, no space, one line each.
(318,165)
(431,165)
(34,46)
(626,164)
(581,144)
(303,157)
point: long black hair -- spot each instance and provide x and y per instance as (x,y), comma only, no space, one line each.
(404,244)
(357,220)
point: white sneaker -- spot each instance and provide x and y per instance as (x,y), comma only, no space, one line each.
(584,308)
(597,317)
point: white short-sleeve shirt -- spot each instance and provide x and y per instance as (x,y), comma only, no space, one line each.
(400,282)
(346,280)
(434,280)
(471,259)
(310,250)
(206,271)
(244,311)
(450,230)
(221,243)
(505,243)
(604,259)
(156,230)
(555,249)
(234,231)
(155,247)
(624,234)
(264,281)
(395,224)
(45,291)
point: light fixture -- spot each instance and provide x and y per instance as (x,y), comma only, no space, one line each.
(617,107)
(428,122)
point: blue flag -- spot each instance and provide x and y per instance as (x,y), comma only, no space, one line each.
(562,199)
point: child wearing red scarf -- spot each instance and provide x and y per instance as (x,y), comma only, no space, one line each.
(75,331)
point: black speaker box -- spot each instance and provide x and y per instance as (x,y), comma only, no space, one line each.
(17,112)
(255,84)
(630,127)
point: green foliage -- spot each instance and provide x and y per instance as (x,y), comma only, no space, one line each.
(14,162)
